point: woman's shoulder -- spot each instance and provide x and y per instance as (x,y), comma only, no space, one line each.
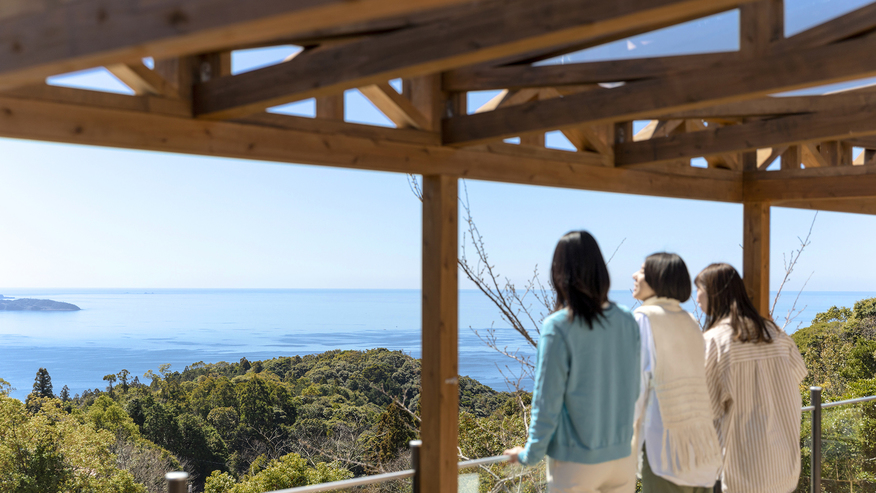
(558,319)
(721,332)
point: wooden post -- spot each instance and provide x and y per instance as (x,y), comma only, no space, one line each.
(425,94)
(792,158)
(330,107)
(760,23)
(756,254)
(536,140)
(623,132)
(831,152)
(439,401)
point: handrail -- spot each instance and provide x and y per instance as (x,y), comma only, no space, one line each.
(177,480)
(349,483)
(484,461)
(841,403)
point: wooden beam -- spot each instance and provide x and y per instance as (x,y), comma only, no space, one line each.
(498,30)
(836,153)
(58,37)
(98,99)
(536,140)
(426,96)
(852,24)
(143,80)
(845,182)
(331,127)
(852,206)
(439,397)
(330,107)
(776,106)
(756,254)
(761,23)
(750,136)
(73,124)
(812,156)
(399,109)
(765,157)
(522,76)
(791,158)
(736,81)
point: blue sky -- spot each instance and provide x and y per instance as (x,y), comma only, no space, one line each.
(78,216)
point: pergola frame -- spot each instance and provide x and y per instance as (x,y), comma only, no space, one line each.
(715,106)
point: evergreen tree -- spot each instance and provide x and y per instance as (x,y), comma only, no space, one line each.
(42,384)
(123,377)
(65,394)
(111,378)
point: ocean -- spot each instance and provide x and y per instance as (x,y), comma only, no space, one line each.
(140,329)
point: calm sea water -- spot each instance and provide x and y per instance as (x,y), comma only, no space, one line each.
(140,329)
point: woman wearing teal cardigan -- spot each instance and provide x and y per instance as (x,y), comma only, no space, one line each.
(586,379)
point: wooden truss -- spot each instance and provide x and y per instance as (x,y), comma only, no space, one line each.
(717,106)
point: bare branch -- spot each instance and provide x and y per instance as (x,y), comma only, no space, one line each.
(790,265)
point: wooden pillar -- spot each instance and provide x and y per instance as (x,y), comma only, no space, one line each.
(760,23)
(330,107)
(536,140)
(756,254)
(623,132)
(439,398)
(425,94)
(792,157)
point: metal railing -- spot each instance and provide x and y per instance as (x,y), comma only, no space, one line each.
(815,408)
(177,481)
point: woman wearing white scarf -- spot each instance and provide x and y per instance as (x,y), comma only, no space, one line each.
(673,426)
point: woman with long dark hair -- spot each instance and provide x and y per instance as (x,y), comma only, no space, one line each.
(586,379)
(754,372)
(674,429)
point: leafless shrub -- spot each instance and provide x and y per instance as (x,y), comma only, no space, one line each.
(790,262)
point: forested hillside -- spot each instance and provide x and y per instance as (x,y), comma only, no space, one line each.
(839,349)
(246,426)
(250,427)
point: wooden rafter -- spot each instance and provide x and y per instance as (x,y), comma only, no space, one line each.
(50,38)
(520,76)
(143,80)
(854,23)
(736,81)
(56,122)
(495,31)
(777,106)
(752,136)
(847,182)
(396,107)
(761,24)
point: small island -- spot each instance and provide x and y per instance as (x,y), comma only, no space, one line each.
(30,304)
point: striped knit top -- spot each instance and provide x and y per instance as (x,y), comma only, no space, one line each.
(755,394)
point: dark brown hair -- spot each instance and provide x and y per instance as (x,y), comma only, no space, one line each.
(667,275)
(726,297)
(579,276)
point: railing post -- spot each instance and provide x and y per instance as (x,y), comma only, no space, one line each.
(415,464)
(177,482)
(815,397)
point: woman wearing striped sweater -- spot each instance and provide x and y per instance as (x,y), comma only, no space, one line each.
(754,372)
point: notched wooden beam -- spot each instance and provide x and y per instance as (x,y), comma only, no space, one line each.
(736,81)
(396,107)
(143,80)
(498,30)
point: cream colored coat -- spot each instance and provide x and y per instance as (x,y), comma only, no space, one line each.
(689,437)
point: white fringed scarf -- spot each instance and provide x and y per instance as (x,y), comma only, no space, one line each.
(689,436)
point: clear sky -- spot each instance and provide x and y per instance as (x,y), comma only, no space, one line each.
(76,216)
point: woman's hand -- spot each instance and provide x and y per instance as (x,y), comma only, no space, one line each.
(513,452)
